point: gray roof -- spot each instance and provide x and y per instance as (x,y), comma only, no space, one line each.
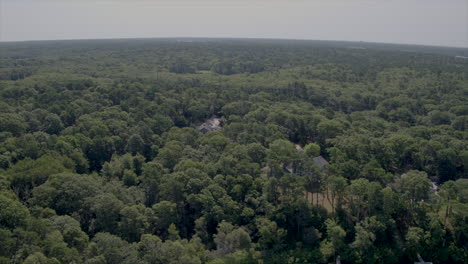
(320,162)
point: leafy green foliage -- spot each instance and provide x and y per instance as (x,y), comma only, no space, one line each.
(103,159)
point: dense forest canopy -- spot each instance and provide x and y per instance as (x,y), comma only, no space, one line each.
(324,150)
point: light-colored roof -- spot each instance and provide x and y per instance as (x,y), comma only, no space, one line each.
(211,124)
(299,149)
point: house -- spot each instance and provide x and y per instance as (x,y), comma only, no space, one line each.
(211,124)
(320,162)
(434,187)
(299,149)
(204,128)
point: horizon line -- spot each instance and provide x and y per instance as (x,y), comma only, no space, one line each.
(235,38)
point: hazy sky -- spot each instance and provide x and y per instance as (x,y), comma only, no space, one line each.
(432,22)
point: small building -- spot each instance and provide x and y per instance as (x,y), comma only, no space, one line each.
(299,149)
(211,124)
(434,187)
(320,162)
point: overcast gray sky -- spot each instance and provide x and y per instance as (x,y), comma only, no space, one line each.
(431,22)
